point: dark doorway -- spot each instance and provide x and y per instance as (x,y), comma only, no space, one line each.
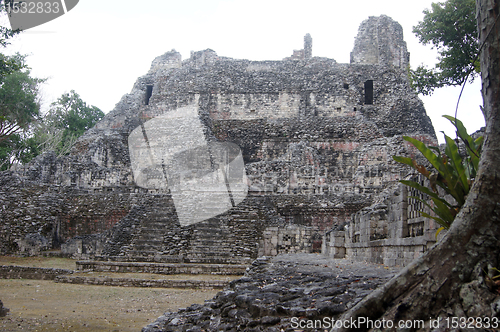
(317,243)
(369,92)
(316,246)
(149,93)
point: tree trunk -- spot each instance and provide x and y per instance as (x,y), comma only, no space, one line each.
(451,279)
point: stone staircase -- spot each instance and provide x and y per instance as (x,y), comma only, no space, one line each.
(232,237)
(154,235)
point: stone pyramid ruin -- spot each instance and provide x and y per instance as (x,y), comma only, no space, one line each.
(314,140)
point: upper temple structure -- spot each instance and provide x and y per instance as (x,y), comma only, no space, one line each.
(300,148)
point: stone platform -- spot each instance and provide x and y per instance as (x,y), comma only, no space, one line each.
(139,282)
(118,274)
(28,272)
(161,268)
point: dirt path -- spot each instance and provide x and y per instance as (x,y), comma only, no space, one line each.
(37,305)
(47,306)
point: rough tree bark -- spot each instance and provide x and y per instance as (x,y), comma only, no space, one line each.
(449,280)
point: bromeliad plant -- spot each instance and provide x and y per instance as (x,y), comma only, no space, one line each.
(452,172)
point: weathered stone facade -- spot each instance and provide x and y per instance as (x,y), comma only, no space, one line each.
(316,138)
(390,232)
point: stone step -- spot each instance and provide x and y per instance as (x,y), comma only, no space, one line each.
(147,249)
(210,246)
(142,253)
(150,241)
(147,242)
(157,224)
(212,253)
(136,282)
(161,213)
(152,230)
(144,240)
(161,268)
(176,259)
(159,216)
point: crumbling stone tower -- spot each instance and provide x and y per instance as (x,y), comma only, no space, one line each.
(380,42)
(316,138)
(308,46)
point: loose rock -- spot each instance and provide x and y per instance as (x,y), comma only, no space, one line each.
(274,290)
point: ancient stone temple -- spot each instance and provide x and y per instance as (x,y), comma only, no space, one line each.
(313,137)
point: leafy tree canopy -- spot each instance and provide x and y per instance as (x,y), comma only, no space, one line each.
(71,113)
(68,118)
(451,28)
(24,132)
(19,102)
(6,34)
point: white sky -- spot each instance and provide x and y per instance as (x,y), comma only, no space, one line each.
(100,48)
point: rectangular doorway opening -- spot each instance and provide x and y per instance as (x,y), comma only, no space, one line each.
(149,93)
(369,92)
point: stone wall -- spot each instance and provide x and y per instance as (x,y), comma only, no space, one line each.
(316,138)
(389,232)
(37,215)
(161,268)
(137,282)
(36,273)
(334,244)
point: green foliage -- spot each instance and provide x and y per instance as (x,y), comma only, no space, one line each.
(6,148)
(18,90)
(18,148)
(10,64)
(452,172)
(6,34)
(450,27)
(19,105)
(68,118)
(425,80)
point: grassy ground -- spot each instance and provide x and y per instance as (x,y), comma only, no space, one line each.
(37,305)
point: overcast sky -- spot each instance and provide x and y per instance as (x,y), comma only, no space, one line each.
(100,48)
